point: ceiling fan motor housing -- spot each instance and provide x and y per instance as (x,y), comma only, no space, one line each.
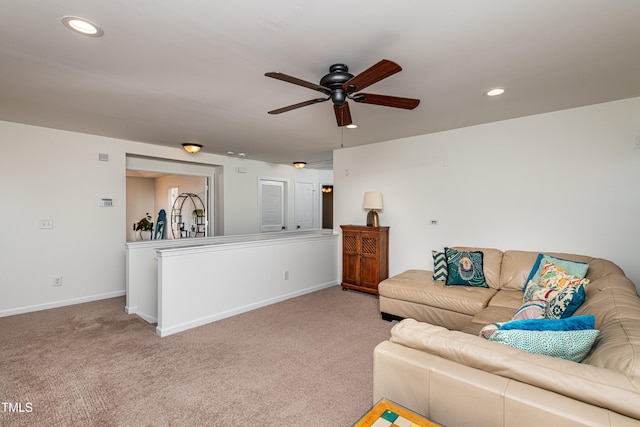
(338,75)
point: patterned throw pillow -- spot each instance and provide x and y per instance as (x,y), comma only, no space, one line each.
(575,268)
(565,302)
(570,345)
(561,303)
(489,330)
(465,268)
(533,309)
(439,265)
(535,292)
(555,278)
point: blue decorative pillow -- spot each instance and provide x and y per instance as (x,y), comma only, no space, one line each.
(576,323)
(565,302)
(465,268)
(570,345)
(439,265)
(574,268)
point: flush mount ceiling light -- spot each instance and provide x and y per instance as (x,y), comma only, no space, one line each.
(82,25)
(191,147)
(352,126)
(299,165)
(495,91)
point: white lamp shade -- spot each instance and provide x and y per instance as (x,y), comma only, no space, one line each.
(372,200)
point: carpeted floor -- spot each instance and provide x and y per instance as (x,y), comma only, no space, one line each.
(302,362)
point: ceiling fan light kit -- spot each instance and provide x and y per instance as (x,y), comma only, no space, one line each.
(340,85)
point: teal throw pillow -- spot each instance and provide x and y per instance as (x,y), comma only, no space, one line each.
(574,268)
(439,265)
(465,268)
(569,345)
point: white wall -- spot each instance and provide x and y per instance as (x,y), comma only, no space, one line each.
(565,181)
(140,201)
(52,174)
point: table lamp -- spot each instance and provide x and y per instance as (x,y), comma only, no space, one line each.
(373,202)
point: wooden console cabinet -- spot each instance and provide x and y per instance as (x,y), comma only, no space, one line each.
(365,257)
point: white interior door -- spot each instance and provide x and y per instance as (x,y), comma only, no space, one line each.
(271,200)
(305,212)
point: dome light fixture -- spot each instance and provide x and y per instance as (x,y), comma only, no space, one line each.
(191,147)
(299,165)
(82,26)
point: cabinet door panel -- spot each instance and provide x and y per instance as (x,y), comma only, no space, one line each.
(369,273)
(351,269)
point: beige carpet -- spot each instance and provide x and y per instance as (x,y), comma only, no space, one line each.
(302,362)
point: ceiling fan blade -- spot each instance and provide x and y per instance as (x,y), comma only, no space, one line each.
(298,105)
(343,114)
(387,101)
(371,75)
(299,82)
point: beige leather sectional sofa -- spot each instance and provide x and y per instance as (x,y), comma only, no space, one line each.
(436,364)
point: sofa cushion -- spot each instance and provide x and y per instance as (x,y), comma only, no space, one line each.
(419,287)
(616,307)
(517,265)
(491,263)
(465,268)
(511,298)
(492,314)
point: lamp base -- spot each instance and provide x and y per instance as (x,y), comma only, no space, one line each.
(372,218)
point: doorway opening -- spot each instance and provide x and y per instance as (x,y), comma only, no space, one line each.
(327,206)
(153,185)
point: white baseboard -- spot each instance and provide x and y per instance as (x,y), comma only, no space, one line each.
(62,303)
(163,332)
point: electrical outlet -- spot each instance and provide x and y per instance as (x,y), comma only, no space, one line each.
(285,275)
(434,222)
(57,281)
(46,224)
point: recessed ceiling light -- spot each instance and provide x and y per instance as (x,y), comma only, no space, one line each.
(495,91)
(82,25)
(352,126)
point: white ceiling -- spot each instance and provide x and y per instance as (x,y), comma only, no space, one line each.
(172,71)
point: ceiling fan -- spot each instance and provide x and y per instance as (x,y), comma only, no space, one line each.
(340,85)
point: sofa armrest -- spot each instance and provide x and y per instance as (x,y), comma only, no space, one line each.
(595,386)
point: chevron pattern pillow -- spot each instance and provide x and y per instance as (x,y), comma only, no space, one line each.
(439,265)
